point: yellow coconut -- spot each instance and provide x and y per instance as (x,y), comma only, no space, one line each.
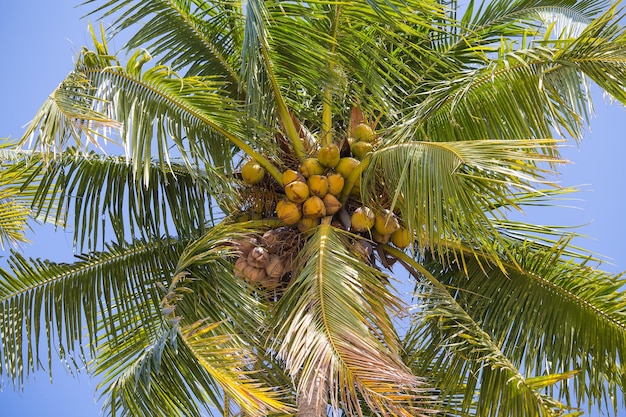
(252,172)
(288,211)
(402,238)
(290,176)
(314,207)
(335,183)
(360,149)
(329,155)
(297,191)
(311,166)
(308,223)
(363,132)
(318,185)
(362,219)
(346,165)
(332,204)
(380,238)
(386,223)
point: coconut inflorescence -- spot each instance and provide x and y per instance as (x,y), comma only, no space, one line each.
(311,191)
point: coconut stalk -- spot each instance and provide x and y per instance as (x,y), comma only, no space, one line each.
(353,177)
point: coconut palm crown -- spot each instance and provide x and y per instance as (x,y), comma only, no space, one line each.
(255,186)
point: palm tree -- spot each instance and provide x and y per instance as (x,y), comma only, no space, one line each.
(287,169)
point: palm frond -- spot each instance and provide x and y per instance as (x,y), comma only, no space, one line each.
(200,38)
(465,364)
(366,52)
(515,87)
(71,302)
(522,95)
(331,317)
(446,191)
(514,18)
(583,331)
(261,95)
(194,115)
(194,350)
(600,53)
(14,213)
(96,190)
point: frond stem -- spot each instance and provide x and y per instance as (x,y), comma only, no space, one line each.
(241,144)
(353,178)
(513,265)
(285,116)
(416,269)
(327,118)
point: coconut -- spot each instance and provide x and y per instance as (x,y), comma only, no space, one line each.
(362,219)
(402,238)
(318,185)
(379,237)
(331,204)
(240,265)
(329,155)
(245,245)
(335,183)
(308,223)
(258,257)
(297,191)
(360,149)
(288,211)
(346,165)
(290,176)
(252,172)
(275,267)
(386,223)
(314,207)
(311,166)
(363,132)
(271,237)
(255,275)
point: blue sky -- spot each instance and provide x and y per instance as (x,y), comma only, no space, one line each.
(39,40)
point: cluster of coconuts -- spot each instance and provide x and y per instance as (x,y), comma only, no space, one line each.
(260,261)
(311,193)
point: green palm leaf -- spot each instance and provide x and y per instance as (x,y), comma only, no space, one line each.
(194,114)
(200,37)
(446,191)
(601,60)
(491,19)
(332,314)
(583,331)
(172,365)
(70,302)
(446,343)
(13,212)
(108,189)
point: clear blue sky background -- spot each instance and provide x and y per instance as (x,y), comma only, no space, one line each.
(38,41)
